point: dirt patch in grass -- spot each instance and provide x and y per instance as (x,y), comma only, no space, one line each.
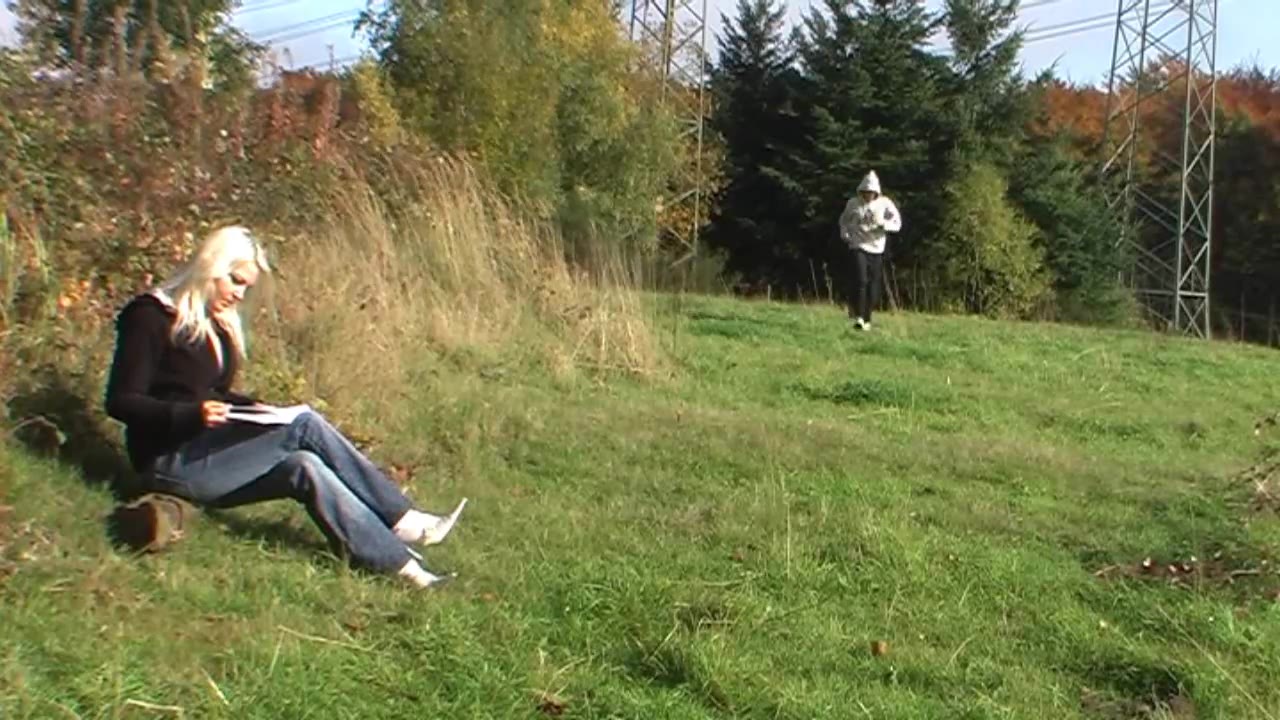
(1262,483)
(1105,707)
(1250,572)
(1252,577)
(1124,685)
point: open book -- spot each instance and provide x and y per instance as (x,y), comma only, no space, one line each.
(266,414)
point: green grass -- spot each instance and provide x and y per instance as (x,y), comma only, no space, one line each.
(725,542)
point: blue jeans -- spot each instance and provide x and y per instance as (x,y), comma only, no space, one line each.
(352,502)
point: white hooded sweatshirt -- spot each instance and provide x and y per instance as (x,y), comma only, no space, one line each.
(864,225)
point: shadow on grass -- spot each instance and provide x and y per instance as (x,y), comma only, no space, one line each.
(55,418)
(1120,686)
(279,535)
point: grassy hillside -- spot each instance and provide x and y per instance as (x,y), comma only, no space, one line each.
(727,541)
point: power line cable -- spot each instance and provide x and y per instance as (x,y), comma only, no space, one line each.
(1066,27)
(307,33)
(264,5)
(302,29)
(340,17)
(1100,24)
(1038,3)
(1109,17)
(1072,27)
(1068,33)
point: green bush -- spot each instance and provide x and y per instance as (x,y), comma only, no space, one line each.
(545,96)
(106,189)
(988,260)
(1079,235)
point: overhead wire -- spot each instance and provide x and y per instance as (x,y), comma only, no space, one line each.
(1083,25)
(307,27)
(314,26)
(295,29)
(262,5)
(1069,28)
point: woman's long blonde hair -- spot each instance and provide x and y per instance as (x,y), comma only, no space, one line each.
(190,287)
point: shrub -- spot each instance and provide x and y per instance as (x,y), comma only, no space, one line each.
(391,255)
(987,260)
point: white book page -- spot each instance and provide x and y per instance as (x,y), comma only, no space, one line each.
(266,414)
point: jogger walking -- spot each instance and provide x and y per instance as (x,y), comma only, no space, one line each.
(864,226)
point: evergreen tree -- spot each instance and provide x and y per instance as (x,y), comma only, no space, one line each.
(993,111)
(757,215)
(833,157)
(1058,191)
(988,95)
(1246,254)
(875,96)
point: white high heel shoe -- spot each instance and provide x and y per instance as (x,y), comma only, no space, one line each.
(436,534)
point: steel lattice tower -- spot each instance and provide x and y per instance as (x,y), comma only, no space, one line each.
(1162,48)
(673,33)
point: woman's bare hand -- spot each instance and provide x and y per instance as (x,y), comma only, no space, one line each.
(214,413)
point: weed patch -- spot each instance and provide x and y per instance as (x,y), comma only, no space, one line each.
(873,393)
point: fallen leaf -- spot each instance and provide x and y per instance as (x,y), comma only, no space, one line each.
(401,474)
(551,705)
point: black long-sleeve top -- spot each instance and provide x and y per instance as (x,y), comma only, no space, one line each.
(157,385)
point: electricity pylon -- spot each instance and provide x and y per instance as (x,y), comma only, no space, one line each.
(1162,48)
(675,33)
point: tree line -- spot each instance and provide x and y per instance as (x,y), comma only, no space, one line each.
(997,174)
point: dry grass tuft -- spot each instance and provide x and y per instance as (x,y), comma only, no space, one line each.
(447,267)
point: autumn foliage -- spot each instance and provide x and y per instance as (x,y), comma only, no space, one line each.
(1246,266)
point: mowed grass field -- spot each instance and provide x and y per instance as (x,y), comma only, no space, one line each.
(727,540)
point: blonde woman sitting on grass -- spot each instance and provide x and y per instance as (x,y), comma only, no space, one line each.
(178,348)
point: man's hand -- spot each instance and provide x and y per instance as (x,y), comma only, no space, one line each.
(214,413)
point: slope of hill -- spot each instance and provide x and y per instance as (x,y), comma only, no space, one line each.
(728,541)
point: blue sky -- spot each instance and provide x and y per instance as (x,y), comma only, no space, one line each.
(1247,32)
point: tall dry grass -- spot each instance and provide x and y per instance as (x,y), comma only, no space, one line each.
(440,266)
(429,264)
